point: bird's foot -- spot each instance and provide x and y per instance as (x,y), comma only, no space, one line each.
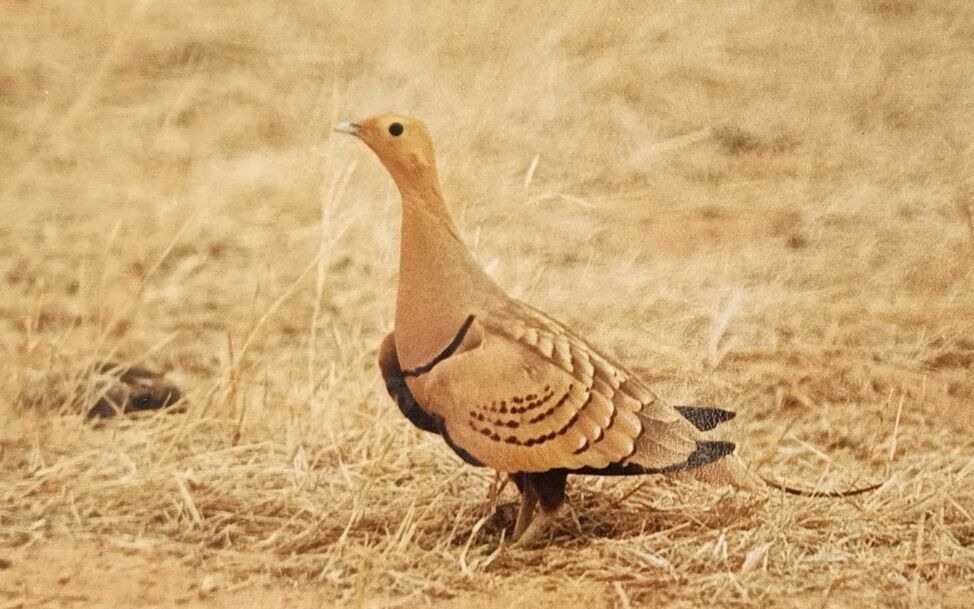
(536,531)
(525,515)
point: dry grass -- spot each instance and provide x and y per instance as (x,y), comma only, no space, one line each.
(763,205)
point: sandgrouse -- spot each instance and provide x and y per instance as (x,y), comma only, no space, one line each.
(505,385)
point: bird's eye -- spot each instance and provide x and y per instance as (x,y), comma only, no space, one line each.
(395,129)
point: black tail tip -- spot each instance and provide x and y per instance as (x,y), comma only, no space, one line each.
(705,418)
(705,454)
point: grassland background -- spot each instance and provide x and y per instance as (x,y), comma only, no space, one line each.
(763,205)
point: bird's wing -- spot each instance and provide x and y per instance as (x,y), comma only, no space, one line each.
(532,396)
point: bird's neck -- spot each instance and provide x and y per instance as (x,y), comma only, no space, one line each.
(440,282)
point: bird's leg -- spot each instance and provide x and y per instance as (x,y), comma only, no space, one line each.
(548,489)
(529,499)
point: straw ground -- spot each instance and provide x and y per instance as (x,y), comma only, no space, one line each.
(761,205)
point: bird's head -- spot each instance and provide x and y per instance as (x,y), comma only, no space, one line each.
(402,144)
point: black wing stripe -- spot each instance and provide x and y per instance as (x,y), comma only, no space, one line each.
(445,353)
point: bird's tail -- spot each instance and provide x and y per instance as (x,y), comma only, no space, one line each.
(731,470)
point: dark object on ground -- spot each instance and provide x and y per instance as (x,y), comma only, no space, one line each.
(136,389)
(99,391)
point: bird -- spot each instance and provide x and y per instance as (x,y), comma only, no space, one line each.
(505,385)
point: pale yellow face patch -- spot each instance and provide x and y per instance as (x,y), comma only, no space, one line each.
(402,143)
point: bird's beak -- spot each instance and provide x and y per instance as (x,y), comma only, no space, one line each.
(347,127)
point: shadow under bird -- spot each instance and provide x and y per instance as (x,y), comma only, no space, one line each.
(505,385)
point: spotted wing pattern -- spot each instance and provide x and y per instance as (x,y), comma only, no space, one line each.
(532,396)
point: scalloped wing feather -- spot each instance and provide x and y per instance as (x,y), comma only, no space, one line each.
(533,397)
